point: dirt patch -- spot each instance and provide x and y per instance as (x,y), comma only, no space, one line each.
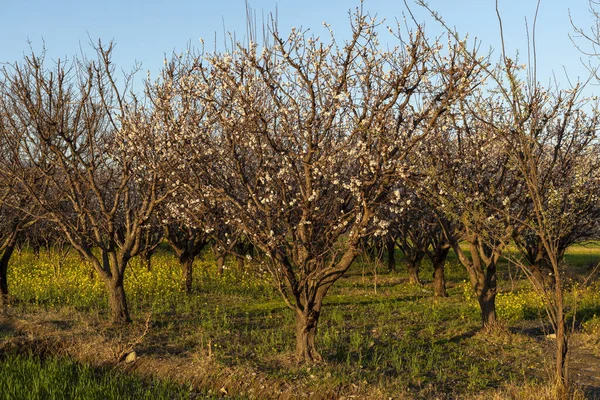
(584,364)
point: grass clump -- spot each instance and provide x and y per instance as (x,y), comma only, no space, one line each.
(29,377)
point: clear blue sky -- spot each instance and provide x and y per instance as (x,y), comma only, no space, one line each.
(146,30)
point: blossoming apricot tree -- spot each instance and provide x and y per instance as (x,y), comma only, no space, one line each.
(299,141)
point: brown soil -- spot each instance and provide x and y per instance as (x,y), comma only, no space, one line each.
(584,364)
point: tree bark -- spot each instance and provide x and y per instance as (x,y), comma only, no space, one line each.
(482,274)
(146,258)
(487,303)
(308,292)
(438,255)
(187,269)
(413,272)
(391,255)
(306,329)
(538,266)
(117,301)
(486,291)
(439,278)
(308,312)
(562,340)
(220,264)
(562,346)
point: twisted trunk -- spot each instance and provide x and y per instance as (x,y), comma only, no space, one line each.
(481,267)
(308,294)
(306,329)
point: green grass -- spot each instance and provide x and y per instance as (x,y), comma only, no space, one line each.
(395,341)
(30,377)
(583,258)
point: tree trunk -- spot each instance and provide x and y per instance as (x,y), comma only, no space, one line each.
(391,255)
(487,303)
(482,273)
(306,329)
(117,301)
(562,340)
(146,258)
(413,272)
(439,278)
(538,277)
(187,270)
(36,247)
(220,264)
(8,251)
(562,347)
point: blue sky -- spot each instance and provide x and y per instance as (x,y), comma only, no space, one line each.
(145,30)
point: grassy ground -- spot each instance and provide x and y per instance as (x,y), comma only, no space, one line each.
(380,336)
(30,377)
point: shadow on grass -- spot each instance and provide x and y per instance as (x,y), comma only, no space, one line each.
(6,327)
(460,338)
(591,392)
(368,302)
(587,313)
(533,329)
